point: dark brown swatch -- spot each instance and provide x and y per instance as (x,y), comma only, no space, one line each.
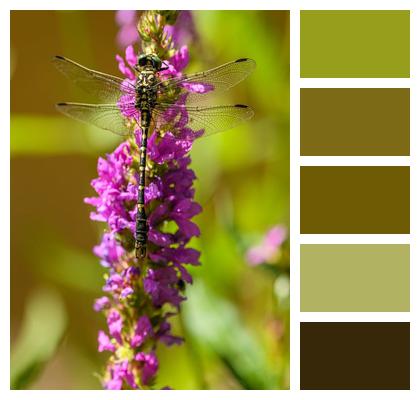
(363,200)
(355,355)
(355,122)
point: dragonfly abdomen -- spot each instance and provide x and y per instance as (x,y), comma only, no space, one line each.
(145,101)
(142,227)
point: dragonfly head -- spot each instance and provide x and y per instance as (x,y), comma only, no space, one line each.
(150,60)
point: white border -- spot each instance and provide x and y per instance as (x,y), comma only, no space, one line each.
(355,316)
(355,239)
(354,83)
(354,161)
(296,160)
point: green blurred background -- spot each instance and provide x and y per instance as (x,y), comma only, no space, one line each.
(236,317)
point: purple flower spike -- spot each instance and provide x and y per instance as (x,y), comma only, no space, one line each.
(104,342)
(120,373)
(164,335)
(115,324)
(143,331)
(113,384)
(150,366)
(126,292)
(139,293)
(109,251)
(101,303)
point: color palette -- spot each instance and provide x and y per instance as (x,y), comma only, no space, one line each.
(355,122)
(355,44)
(355,277)
(355,355)
(364,129)
(355,200)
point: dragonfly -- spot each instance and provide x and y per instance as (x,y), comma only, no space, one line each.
(150,102)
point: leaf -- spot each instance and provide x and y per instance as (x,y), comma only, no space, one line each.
(215,323)
(43,327)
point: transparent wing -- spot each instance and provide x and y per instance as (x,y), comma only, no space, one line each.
(105,116)
(106,88)
(199,85)
(207,119)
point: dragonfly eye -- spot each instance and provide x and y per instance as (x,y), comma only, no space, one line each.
(157,62)
(150,59)
(142,60)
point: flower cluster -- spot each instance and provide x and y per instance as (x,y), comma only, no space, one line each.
(269,250)
(142,295)
(127,34)
(183,30)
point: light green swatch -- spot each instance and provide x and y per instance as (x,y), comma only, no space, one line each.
(355,44)
(354,277)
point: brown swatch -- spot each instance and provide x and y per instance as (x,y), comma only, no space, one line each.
(365,200)
(355,122)
(355,355)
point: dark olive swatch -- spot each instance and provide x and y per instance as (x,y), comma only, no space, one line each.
(355,44)
(359,200)
(355,122)
(355,355)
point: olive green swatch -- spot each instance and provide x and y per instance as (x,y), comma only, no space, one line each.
(355,122)
(345,200)
(355,44)
(354,277)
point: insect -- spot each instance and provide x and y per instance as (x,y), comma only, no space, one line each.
(151,102)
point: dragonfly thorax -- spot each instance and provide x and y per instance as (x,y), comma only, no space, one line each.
(146,92)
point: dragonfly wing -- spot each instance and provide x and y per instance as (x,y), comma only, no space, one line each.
(104,87)
(209,119)
(104,116)
(200,85)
